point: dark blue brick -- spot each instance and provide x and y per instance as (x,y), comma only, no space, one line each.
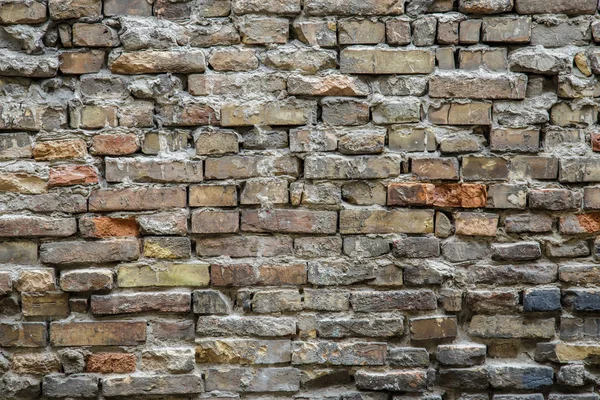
(545,299)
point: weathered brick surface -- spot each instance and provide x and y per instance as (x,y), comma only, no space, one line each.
(308,199)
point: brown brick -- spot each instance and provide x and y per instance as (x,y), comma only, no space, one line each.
(365,60)
(82,252)
(50,304)
(484,168)
(155,62)
(81,62)
(127,7)
(85,280)
(23,334)
(36,280)
(105,333)
(515,140)
(284,112)
(137,199)
(103,227)
(579,223)
(111,363)
(506,29)
(461,114)
(94,35)
(70,175)
(208,221)
(381,221)
(265,274)
(442,168)
(152,170)
(129,303)
(60,150)
(191,115)
(241,167)
(68,9)
(289,221)
(433,328)
(22,12)
(213,196)
(478,85)
(476,224)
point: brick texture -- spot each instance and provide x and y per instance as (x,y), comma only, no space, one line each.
(299,199)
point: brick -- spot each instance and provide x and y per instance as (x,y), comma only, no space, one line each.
(111,363)
(541,299)
(288,112)
(478,85)
(49,304)
(19,12)
(158,384)
(367,8)
(104,227)
(15,145)
(60,150)
(84,280)
(378,221)
(73,175)
(511,327)
(254,326)
(243,351)
(283,379)
(554,199)
(341,111)
(461,114)
(493,301)
(329,85)
(23,334)
(213,196)
(433,328)
(211,141)
(485,6)
(35,363)
(155,62)
(515,140)
(289,221)
(137,199)
(140,302)
(263,30)
(74,386)
(397,31)
(435,168)
(506,29)
(394,381)
(33,226)
(339,167)
(416,247)
(114,144)
(332,353)
(521,376)
(163,275)
(310,247)
(365,60)
(105,333)
(441,195)
(211,302)
(167,247)
(362,31)
(207,221)
(129,7)
(461,355)
(77,62)
(191,115)
(579,169)
(266,274)
(373,326)
(474,224)
(275,301)
(18,252)
(241,167)
(244,246)
(520,251)
(393,300)
(81,252)
(528,223)
(173,360)
(68,9)
(152,170)
(270,6)
(271,191)
(555,6)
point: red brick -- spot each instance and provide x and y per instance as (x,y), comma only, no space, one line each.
(114,144)
(38,225)
(190,115)
(103,227)
(104,333)
(111,363)
(463,195)
(73,175)
(580,223)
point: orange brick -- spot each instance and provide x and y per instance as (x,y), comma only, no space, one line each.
(73,175)
(111,363)
(103,227)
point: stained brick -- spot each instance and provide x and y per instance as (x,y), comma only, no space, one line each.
(105,333)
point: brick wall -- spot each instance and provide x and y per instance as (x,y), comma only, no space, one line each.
(299,199)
